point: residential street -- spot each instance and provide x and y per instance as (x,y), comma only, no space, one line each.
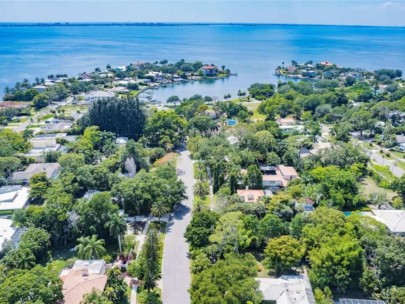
(397,171)
(176,264)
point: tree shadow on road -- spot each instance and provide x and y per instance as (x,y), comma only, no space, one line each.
(181,211)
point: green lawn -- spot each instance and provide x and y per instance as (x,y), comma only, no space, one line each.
(46,116)
(57,265)
(368,186)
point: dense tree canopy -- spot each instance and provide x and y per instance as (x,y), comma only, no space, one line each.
(124,117)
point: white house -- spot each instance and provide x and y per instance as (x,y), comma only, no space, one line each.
(393,219)
(278,176)
(9,233)
(13,197)
(40,88)
(97,95)
(287,289)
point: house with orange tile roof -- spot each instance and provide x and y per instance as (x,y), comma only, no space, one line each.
(250,196)
(83,278)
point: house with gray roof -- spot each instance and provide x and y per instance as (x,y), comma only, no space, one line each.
(50,169)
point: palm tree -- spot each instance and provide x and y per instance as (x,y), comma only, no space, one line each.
(95,297)
(201,189)
(90,247)
(159,209)
(117,226)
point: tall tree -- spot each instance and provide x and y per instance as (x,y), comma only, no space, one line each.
(117,226)
(115,289)
(124,116)
(283,253)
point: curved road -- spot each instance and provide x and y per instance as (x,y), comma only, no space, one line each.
(176,277)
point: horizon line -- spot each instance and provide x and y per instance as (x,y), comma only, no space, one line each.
(130,23)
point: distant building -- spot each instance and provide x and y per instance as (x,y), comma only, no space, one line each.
(119,89)
(400,139)
(287,289)
(43,144)
(83,278)
(209,70)
(326,63)
(14,105)
(40,88)
(212,114)
(96,95)
(51,170)
(58,127)
(393,219)
(286,122)
(310,73)
(13,197)
(121,140)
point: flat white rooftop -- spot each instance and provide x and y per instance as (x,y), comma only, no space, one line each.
(13,197)
(287,289)
(6,231)
(393,219)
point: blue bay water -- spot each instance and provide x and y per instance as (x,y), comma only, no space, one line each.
(253,51)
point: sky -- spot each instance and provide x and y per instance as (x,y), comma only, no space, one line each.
(342,12)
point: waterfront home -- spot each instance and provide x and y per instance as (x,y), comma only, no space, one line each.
(326,63)
(40,88)
(84,277)
(144,80)
(51,171)
(13,197)
(118,89)
(287,289)
(393,219)
(96,95)
(209,70)
(85,76)
(176,78)
(309,73)
(250,196)
(156,76)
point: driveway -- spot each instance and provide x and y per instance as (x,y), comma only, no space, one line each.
(176,277)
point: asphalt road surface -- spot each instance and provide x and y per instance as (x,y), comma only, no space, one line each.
(176,277)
